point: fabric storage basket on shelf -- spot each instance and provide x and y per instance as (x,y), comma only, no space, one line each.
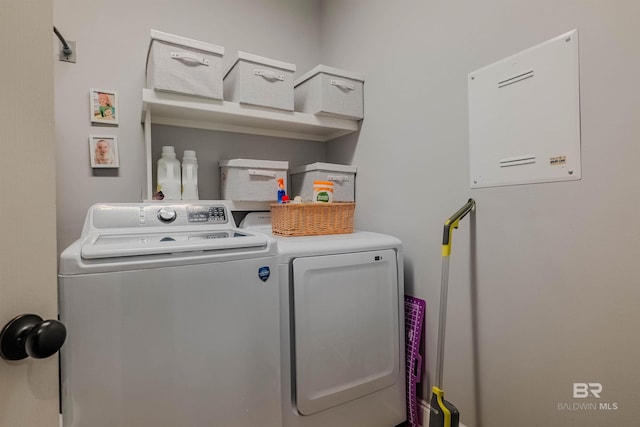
(256,80)
(250,180)
(185,66)
(331,92)
(312,219)
(342,176)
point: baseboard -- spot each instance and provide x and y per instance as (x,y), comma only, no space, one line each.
(425,408)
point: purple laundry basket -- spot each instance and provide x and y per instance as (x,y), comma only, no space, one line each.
(414,309)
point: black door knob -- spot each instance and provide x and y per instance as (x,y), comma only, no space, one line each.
(29,335)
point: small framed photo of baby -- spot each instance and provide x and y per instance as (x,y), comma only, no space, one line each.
(104,106)
(103,151)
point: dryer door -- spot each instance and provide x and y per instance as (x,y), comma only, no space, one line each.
(346,327)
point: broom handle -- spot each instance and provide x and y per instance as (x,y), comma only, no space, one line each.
(449,226)
(443,320)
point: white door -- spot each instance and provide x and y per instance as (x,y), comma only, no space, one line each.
(28,388)
(346,327)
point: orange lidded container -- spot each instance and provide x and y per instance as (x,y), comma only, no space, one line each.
(322,191)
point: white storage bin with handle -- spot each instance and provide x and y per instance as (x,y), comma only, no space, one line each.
(250,180)
(181,65)
(261,81)
(330,91)
(343,178)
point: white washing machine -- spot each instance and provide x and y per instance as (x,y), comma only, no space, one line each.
(342,328)
(172,316)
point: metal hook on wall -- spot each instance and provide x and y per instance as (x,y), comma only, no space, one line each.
(67,53)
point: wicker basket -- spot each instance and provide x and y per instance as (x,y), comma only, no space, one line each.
(312,219)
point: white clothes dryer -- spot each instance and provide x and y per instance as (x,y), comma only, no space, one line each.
(172,316)
(342,328)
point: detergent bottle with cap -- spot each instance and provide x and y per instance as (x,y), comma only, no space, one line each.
(169,179)
(322,191)
(189,175)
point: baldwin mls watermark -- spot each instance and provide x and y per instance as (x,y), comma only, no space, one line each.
(591,392)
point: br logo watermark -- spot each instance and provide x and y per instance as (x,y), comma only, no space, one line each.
(584,390)
(584,395)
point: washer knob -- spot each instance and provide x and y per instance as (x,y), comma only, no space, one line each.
(167,215)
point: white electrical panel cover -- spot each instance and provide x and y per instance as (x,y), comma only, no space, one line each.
(524,116)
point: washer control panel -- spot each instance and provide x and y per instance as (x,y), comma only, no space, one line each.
(210,214)
(125,215)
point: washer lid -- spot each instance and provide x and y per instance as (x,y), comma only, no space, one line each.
(136,244)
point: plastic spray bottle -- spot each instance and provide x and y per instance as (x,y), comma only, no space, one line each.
(282,194)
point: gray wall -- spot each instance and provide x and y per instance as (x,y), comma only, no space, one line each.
(112,40)
(543,287)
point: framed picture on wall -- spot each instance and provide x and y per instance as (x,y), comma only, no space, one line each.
(104,106)
(103,151)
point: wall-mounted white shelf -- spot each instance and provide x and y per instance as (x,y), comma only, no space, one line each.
(193,112)
(187,111)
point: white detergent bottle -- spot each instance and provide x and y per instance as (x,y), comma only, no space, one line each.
(169,174)
(189,175)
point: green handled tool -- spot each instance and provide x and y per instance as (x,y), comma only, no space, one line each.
(443,413)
